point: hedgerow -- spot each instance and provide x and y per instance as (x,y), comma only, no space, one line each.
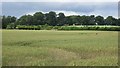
(47,27)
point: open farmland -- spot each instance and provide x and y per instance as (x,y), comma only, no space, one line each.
(59,48)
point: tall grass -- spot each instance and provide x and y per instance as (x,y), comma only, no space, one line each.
(59,48)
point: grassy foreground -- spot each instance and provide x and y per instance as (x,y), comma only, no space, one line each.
(59,48)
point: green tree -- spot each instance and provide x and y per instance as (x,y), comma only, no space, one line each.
(68,21)
(38,18)
(7,20)
(84,20)
(111,21)
(61,19)
(118,22)
(74,20)
(92,20)
(51,18)
(25,20)
(100,20)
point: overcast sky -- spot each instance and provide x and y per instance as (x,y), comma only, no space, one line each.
(18,8)
(59,0)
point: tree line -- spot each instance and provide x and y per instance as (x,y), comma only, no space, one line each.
(53,19)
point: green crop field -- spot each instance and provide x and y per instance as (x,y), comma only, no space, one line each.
(59,48)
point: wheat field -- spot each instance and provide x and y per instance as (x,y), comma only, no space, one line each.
(59,48)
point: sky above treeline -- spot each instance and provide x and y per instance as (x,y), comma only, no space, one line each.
(68,8)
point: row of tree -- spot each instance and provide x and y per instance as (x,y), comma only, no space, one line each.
(60,19)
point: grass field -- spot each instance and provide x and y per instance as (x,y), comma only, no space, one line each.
(59,48)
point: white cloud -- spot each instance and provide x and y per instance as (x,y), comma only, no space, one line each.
(60,0)
(68,13)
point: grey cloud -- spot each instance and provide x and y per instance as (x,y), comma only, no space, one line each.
(19,8)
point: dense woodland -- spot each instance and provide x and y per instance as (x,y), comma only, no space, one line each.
(53,19)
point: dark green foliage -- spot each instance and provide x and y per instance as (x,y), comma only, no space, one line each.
(99,20)
(38,18)
(111,21)
(51,21)
(61,19)
(7,20)
(25,20)
(50,18)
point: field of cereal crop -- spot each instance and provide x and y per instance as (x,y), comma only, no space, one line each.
(59,48)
